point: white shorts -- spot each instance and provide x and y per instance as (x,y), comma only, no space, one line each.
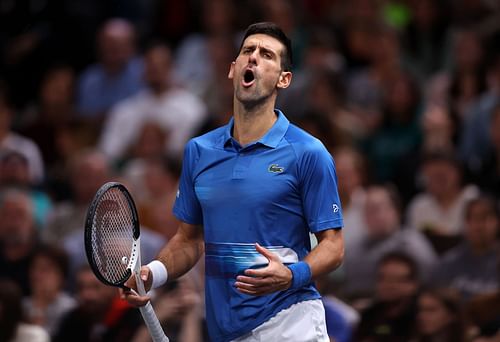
(301,322)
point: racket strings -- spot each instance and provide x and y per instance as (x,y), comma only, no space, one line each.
(112,236)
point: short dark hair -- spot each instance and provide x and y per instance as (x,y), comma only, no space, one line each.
(272,30)
(401,258)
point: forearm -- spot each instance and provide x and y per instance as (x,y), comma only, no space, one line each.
(328,254)
(182,252)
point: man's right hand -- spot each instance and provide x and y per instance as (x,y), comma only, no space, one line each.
(131,295)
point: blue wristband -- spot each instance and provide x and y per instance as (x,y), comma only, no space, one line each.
(301,274)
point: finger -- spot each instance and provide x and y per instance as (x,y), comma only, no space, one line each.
(130,283)
(253,281)
(255,291)
(134,299)
(267,253)
(258,273)
(144,273)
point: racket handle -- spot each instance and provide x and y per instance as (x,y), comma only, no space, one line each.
(152,323)
(149,315)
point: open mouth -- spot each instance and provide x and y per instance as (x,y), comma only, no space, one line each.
(248,78)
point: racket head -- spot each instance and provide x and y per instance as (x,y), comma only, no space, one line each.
(112,234)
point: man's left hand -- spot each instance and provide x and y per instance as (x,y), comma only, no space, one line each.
(274,277)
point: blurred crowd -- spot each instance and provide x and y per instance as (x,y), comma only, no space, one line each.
(404,93)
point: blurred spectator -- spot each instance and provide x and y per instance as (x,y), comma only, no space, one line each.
(352,177)
(177,111)
(218,22)
(373,92)
(475,142)
(10,140)
(179,307)
(425,39)
(51,121)
(14,172)
(440,317)
(471,268)
(12,327)
(399,130)
(438,133)
(18,237)
(116,76)
(392,315)
(154,185)
(486,173)
(100,314)
(382,234)
(484,313)
(468,76)
(439,210)
(87,171)
(48,301)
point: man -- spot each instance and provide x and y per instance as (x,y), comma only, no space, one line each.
(176,111)
(381,233)
(250,193)
(100,314)
(117,74)
(391,315)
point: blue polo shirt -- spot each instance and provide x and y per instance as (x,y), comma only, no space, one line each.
(274,192)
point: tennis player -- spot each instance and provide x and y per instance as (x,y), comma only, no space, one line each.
(249,195)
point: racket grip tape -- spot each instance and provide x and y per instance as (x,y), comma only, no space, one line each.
(152,323)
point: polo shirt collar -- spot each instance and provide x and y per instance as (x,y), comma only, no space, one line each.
(271,138)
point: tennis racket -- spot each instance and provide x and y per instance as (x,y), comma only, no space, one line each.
(112,244)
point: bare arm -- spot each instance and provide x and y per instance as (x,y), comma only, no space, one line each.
(180,254)
(324,258)
(328,254)
(183,251)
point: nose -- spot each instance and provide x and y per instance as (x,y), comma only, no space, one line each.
(252,58)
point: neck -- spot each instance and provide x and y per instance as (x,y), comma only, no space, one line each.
(252,122)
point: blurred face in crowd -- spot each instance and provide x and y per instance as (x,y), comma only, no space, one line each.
(257,71)
(93,296)
(394,282)
(89,172)
(380,214)
(157,65)
(348,166)
(14,170)
(57,87)
(481,225)
(45,276)
(116,44)
(468,50)
(433,316)
(16,224)
(441,178)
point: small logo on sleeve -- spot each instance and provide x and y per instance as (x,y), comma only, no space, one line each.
(274,168)
(335,208)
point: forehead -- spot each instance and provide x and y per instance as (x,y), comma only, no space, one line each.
(265,41)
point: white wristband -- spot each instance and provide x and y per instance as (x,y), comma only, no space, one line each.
(159,273)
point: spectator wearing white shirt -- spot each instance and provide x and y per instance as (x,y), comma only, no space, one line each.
(176,110)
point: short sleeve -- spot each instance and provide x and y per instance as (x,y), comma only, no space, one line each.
(319,191)
(187,207)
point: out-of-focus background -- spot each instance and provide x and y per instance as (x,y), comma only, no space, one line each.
(404,93)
